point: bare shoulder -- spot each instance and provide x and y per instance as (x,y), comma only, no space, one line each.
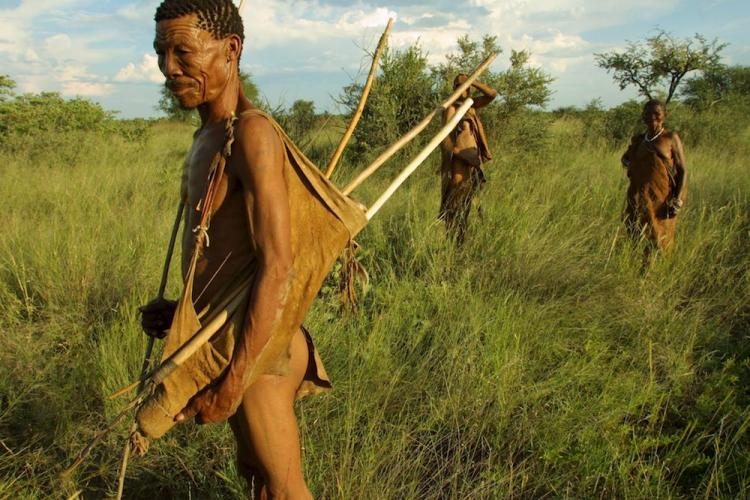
(255,131)
(258,143)
(449,112)
(672,134)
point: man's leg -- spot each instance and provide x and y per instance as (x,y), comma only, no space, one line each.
(247,462)
(268,444)
(461,185)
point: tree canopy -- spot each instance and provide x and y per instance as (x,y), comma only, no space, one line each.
(407,88)
(519,86)
(717,85)
(6,87)
(660,62)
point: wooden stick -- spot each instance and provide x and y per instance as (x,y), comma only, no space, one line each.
(421,157)
(362,100)
(100,435)
(395,147)
(170,365)
(213,324)
(239,9)
(150,347)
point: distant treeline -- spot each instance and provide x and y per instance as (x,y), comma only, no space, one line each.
(406,89)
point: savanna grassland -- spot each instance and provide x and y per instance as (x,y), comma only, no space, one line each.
(537,361)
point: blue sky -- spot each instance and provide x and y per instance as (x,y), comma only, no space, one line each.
(310,49)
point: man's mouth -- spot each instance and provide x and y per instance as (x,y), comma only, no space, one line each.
(178,88)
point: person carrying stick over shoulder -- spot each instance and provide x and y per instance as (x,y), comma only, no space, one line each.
(464,153)
(258,212)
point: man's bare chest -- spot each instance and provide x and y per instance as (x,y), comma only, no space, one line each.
(200,162)
(660,146)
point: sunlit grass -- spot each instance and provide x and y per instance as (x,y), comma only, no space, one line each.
(538,360)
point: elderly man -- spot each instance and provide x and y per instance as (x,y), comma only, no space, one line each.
(255,208)
(655,163)
(464,153)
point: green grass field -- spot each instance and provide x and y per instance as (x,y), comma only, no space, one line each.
(537,361)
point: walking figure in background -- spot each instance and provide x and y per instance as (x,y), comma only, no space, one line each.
(464,153)
(655,163)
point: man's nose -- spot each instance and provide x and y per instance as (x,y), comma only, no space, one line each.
(170,66)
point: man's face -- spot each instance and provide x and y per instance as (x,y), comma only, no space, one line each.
(196,66)
(457,82)
(653,117)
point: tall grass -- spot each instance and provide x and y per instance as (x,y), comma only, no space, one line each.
(538,360)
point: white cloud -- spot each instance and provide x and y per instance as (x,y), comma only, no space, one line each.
(58,61)
(140,11)
(58,46)
(364,19)
(273,22)
(146,71)
(30,56)
(315,46)
(86,89)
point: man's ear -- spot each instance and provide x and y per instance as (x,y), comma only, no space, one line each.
(233,47)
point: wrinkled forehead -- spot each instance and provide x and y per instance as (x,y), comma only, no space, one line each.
(179,30)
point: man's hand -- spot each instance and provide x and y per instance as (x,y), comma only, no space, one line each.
(212,405)
(673,207)
(156,317)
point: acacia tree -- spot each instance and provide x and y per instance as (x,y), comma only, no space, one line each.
(407,88)
(299,120)
(661,61)
(523,85)
(470,54)
(716,85)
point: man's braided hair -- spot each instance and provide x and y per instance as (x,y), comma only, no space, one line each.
(219,17)
(655,103)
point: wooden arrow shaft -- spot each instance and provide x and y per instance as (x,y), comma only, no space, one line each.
(362,100)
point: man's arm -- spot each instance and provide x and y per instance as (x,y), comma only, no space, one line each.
(678,153)
(626,156)
(260,163)
(448,143)
(488,96)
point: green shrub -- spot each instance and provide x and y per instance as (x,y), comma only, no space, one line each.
(403,93)
(47,121)
(623,122)
(32,114)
